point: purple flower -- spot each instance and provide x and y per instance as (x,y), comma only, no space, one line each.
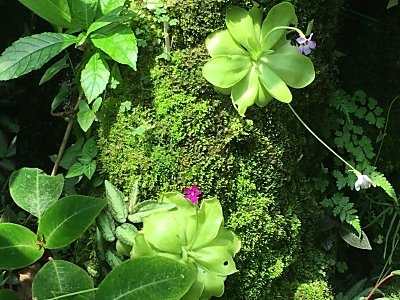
(305,45)
(363,181)
(192,193)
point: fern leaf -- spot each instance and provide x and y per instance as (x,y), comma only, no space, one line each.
(379,179)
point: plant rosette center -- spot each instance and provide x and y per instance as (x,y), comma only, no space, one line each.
(252,61)
(194,236)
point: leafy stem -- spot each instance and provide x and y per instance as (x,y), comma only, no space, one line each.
(322,142)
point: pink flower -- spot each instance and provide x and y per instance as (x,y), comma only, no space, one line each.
(192,193)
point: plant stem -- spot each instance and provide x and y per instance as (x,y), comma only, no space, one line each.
(322,142)
(74,293)
(376,287)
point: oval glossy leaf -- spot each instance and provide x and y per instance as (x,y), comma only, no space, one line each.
(67,219)
(282,14)
(296,70)
(241,27)
(31,53)
(85,116)
(54,69)
(226,71)
(89,169)
(245,92)
(83,11)
(116,202)
(8,295)
(95,77)
(58,278)
(34,191)
(119,42)
(54,11)
(222,43)
(273,84)
(18,246)
(154,278)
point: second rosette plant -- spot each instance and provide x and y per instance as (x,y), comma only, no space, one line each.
(194,236)
(253,61)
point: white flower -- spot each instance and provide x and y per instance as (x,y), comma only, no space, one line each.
(363,181)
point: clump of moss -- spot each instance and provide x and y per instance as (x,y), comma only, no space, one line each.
(180,132)
(316,290)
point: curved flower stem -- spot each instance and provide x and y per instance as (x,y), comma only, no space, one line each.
(376,287)
(322,142)
(285,27)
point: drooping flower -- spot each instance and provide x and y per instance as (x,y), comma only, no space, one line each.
(192,193)
(363,181)
(306,44)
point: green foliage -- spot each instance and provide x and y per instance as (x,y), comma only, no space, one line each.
(59,278)
(266,67)
(152,278)
(85,159)
(317,290)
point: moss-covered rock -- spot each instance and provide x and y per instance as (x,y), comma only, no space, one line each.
(180,132)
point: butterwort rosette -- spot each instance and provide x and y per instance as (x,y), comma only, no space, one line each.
(194,236)
(253,61)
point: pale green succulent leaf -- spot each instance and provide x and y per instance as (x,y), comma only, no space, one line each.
(141,247)
(263,96)
(245,92)
(226,71)
(275,86)
(213,284)
(256,15)
(241,27)
(223,91)
(222,43)
(282,14)
(296,70)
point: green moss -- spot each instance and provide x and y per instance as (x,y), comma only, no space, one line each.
(317,290)
(180,132)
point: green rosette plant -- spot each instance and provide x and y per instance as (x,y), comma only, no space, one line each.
(194,236)
(253,61)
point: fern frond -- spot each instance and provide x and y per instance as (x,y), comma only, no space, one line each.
(379,179)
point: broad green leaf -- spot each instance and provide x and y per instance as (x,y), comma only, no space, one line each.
(350,236)
(126,233)
(116,77)
(85,116)
(34,191)
(148,207)
(107,6)
(89,169)
(94,77)
(222,43)
(154,278)
(67,219)
(54,69)
(90,148)
(245,92)
(8,295)
(241,27)
(62,94)
(71,154)
(58,278)
(296,70)
(273,84)
(282,14)
(119,42)
(109,18)
(75,170)
(226,71)
(116,202)
(31,53)
(263,96)
(54,11)
(106,225)
(83,11)
(18,246)
(96,104)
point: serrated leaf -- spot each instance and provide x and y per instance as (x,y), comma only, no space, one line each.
(133,196)
(116,202)
(67,219)
(378,179)
(89,169)
(119,42)
(34,191)
(31,53)
(350,236)
(75,170)
(54,11)
(54,69)
(113,259)
(85,116)
(106,225)
(58,277)
(126,233)
(83,11)
(148,207)
(94,77)
(18,246)
(370,118)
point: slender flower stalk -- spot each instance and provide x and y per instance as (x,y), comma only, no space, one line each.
(359,175)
